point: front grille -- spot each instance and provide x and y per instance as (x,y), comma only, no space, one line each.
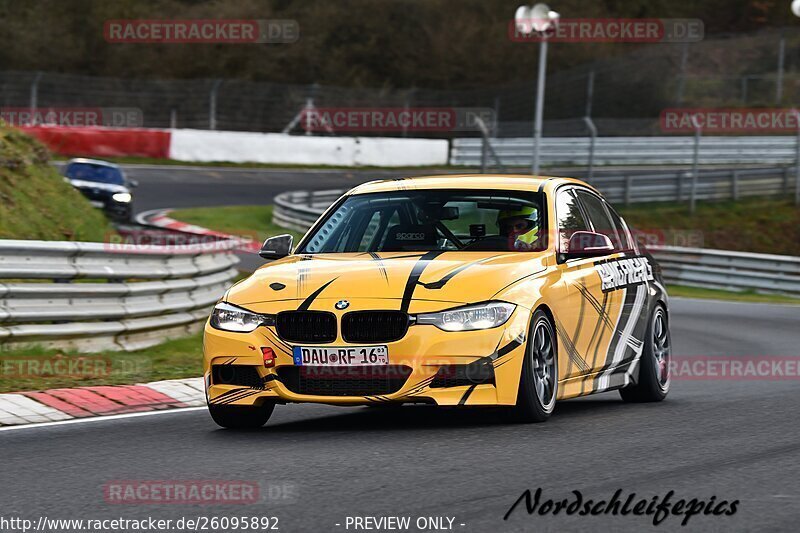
(95,194)
(306,326)
(374,326)
(244,375)
(344,381)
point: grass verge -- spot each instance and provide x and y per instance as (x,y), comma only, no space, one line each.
(760,225)
(245,220)
(716,294)
(37,368)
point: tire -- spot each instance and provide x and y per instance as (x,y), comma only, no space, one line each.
(538,385)
(241,417)
(654,377)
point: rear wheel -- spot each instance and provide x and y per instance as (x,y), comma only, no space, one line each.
(241,416)
(538,385)
(654,378)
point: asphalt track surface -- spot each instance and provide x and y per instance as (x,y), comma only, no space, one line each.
(163,186)
(733,439)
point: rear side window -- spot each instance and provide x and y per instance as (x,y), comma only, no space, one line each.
(601,218)
(619,225)
(570,218)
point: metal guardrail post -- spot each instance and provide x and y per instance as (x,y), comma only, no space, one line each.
(735,185)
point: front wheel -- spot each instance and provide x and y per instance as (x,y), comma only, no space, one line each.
(241,416)
(538,384)
(654,378)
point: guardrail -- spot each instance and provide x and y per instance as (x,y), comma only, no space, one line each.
(104,296)
(698,267)
(298,210)
(620,187)
(727,270)
(672,150)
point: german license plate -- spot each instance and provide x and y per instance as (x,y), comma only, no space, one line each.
(358,356)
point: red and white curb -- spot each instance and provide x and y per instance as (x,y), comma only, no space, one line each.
(159,218)
(56,405)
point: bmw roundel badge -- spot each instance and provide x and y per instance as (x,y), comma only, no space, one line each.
(342,304)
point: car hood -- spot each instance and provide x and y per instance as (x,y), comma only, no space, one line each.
(107,187)
(454,277)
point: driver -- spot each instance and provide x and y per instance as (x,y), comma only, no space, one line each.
(520,226)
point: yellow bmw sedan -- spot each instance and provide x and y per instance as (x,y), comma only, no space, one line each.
(511,291)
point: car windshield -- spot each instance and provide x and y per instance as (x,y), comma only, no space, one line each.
(414,221)
(92,172)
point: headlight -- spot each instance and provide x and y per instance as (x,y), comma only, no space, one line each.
(122,197)
(228,317)
(481,316)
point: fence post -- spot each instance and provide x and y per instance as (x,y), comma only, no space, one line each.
(173,118)
(484,150)
(496,123)
(682,80)
(593,138)
(34,103)
(744,90)
(212,105)
(779,78)
(589,93)
(695,162)
(628,187)
(797,162)
(735,185)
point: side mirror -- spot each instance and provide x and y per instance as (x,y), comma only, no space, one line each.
(133,183)
(276,247)
(588,244)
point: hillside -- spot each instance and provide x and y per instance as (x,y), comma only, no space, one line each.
(36,202)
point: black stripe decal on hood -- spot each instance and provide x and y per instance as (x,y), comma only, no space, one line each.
(376,257)
(450,275)
(308,301)
(413,278)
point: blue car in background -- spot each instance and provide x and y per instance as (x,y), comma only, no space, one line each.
(104,184)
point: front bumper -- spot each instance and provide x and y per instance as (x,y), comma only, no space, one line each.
(426,355)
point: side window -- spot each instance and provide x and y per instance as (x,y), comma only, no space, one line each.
(599,217)
(625,242)
(570,218)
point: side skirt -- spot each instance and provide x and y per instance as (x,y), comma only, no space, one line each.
(608,380)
